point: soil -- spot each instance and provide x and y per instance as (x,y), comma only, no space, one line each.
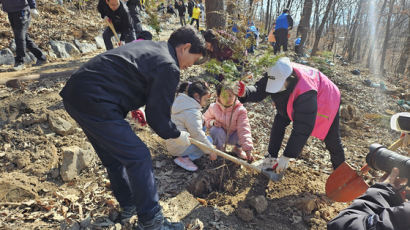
(220,195)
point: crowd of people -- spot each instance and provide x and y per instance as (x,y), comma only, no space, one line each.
(145,73)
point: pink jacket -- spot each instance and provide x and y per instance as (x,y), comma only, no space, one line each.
(328,97)
(240,121)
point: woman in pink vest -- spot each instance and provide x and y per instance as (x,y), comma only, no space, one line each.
(304,96)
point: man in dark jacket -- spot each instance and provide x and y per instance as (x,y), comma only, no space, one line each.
(19,12)
(101,93)
(191,5)
(180,6)
(132,7)
(116,12)
(381,207)
(308,98)
(284,23)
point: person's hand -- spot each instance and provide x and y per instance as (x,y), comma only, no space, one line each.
(121,43)
(239,89)
(34,13)
(282,164)
(395,180)
(212,156)
(216,123)
(106,18)
(183,139)
(249,156)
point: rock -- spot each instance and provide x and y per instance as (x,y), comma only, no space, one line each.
(6,57)
(259,203)
(14,83)
(85,47)
(307,204)
(296,219)
(64,49)
(245,214)
(355,72)
(59,125)
(75,159)
(99,41)
(12,45)
(195,224)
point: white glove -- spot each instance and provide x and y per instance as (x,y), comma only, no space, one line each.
(183,139)
(282,164)
(34,13)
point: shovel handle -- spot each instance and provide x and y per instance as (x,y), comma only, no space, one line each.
(224,155)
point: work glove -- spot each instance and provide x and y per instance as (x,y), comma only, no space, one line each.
(139,116)
(34,13)
(282,164)
(106,18)
(183,139)
(239,89)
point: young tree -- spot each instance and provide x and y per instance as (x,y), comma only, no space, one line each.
(320,29)
(387,35)
(405,53)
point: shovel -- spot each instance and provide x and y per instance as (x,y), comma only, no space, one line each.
(109,23)
(345,184)
(270,174)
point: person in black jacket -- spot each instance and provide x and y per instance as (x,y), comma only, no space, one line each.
(180,6)
(306,109)
(191,5)
(101,93)
(19,12)
(381,207)
(116,12)
(132,7)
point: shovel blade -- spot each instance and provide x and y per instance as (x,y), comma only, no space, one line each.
(344,184)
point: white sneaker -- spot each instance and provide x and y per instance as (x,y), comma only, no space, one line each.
(186,163)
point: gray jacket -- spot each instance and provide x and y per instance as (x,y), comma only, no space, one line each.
(11,6)
(186,115)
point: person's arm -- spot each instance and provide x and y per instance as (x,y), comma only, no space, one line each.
(304,117)
(255,93)
(209,116)
(379,208)
(160,97)
(32,4)
(290,21)
(277,133)
(101,8)
(193,123)
(244,131)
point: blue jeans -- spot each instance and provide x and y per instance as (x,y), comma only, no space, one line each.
(126,158)
(194,152)
(219,137)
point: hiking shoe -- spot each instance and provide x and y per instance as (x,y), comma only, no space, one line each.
(126,213)
(186,163)
(40,62)
(160,223)
(18,66)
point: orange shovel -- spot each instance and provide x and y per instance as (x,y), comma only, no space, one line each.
(345,184)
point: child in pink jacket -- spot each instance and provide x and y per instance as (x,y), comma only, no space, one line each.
(218,120)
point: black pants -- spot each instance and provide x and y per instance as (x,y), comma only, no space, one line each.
(197,23)
(19,22)
(182,20)
(332,141)
(281,36)
(128,36)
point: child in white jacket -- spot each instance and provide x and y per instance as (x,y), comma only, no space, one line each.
(186,115)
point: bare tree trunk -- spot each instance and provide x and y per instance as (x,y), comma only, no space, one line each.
(387,35)
(215,17)
(405,53)
(267,22)
(320,29)
(350,49)
(304,24)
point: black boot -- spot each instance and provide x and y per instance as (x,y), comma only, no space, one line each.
(159,222)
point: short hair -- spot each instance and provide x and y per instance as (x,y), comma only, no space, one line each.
(187,34)
(146,35)
(286,11)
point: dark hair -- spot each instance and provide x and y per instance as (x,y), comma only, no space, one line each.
(199,87)
(285,11)
(146,35)
(219,89)
(187,34)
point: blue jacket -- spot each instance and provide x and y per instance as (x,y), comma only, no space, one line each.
(284,21)
(10,6)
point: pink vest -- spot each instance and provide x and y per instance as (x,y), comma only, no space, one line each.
(328,97)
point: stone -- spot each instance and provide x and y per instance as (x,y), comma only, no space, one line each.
(195,224)
(75,159)
(6,57)
(307,204)
(63,49)
(85,47)
(99,41)
(245,214)
(59,125)
(12,45)
(259,203)
(296,219)
(14,83)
